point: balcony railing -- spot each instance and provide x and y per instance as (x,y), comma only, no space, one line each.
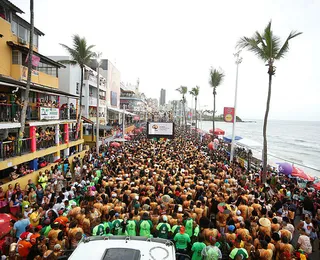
(35,113)
(10,112)
(64,115)
(14,148)
(72,135)
(46,141)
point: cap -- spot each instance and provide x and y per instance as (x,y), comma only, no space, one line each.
(26,206)
(165,218)
(231,228)
(57,247)
(116,215)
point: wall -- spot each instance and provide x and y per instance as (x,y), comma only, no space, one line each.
(34,176)
(5,50)
(113,83)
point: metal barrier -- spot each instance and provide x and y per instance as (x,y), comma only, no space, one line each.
(45,142)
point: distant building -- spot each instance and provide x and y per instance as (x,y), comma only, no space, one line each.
(162,97)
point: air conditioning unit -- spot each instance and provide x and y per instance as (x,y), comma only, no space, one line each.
(22,41)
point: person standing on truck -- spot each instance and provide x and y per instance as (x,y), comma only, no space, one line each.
(163,228)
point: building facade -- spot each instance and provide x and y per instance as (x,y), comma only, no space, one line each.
(49,131)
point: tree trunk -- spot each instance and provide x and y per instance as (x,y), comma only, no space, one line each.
(195,111)
(26,94)
(80,105)
(214,110)
(265,122)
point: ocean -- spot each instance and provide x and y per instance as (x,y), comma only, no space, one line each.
(293,141)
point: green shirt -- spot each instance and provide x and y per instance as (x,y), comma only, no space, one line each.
(196,231)
(117,226)
(197,248)
(175,229)
(189,226)
(182,240)
(98,173)
(163,230)
(98,230)
(145,228)
(131,227)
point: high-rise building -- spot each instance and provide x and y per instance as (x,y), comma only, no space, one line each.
(162,97)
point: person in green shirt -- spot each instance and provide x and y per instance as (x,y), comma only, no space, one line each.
(188,223)
(197,248)
(98,230)
(163,228)
(131,226)
(107,232)
(116,224)
(176,228)
(145,226)
(24,203)
(182,239)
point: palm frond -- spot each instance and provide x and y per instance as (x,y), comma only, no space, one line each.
(216,77)
(285,47)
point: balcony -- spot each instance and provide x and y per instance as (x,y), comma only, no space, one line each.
(10,112)
(92,101)
(14,148)
(35,113)
(20,72)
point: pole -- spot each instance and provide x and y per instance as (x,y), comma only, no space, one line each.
(98,121)
(123,121)
(238,61)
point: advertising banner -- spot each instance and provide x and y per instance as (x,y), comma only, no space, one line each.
(49,113)
(156,129)
(228,114)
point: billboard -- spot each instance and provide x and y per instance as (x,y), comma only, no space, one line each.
(49,113)
(160,130)
(228,114)
(113,97)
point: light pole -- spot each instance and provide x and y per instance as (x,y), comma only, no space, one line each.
(238,61)
(98,98)
(123,120)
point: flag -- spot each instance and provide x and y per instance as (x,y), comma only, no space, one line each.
(228,114)
(35,60)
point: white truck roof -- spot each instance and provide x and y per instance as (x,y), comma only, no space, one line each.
(124,248)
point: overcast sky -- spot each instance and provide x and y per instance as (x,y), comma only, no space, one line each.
(169,43)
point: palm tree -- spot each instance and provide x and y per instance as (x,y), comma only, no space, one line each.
(268,48)
(26,93)
(216,78)
(195,93)
(81,54)
(183,91)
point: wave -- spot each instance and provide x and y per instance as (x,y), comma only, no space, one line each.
(300,141)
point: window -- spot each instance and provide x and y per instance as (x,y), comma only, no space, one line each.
(77,88)
(16,57)
(14,27)
(35,40)
(23,33)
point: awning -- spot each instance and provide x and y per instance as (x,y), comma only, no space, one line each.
(129,113)
(34,87)
(113,109)
(86,120)
(104,127)
(42,57)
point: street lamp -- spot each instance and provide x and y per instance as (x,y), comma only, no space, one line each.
(238,61)
(98,98)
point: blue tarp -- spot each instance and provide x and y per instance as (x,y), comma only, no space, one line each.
(229,138)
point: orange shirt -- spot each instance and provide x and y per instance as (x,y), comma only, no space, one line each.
(24,248)
(62,220)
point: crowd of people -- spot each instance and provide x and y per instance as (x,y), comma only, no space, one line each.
(172,189)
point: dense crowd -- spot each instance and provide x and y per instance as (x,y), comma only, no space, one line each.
(172,189)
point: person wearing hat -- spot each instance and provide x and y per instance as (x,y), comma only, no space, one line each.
(145,225)
(239,253)
(163,228)
(24,246)
(182,239)
(27,211)
(230,235)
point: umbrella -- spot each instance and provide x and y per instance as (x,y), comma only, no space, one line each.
(165,198)
(5,226)
(217,131)
(285,168)
(115,144)
(222,206)
(297,172)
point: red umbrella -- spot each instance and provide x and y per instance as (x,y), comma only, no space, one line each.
(296,172)
(115,144)
(5,226)
(317,186)
(217,131)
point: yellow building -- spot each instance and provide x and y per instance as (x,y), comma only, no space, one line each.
(50,132)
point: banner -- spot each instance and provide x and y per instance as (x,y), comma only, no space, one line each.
(228,114)
(49,113)
(35,60)
(160,128)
